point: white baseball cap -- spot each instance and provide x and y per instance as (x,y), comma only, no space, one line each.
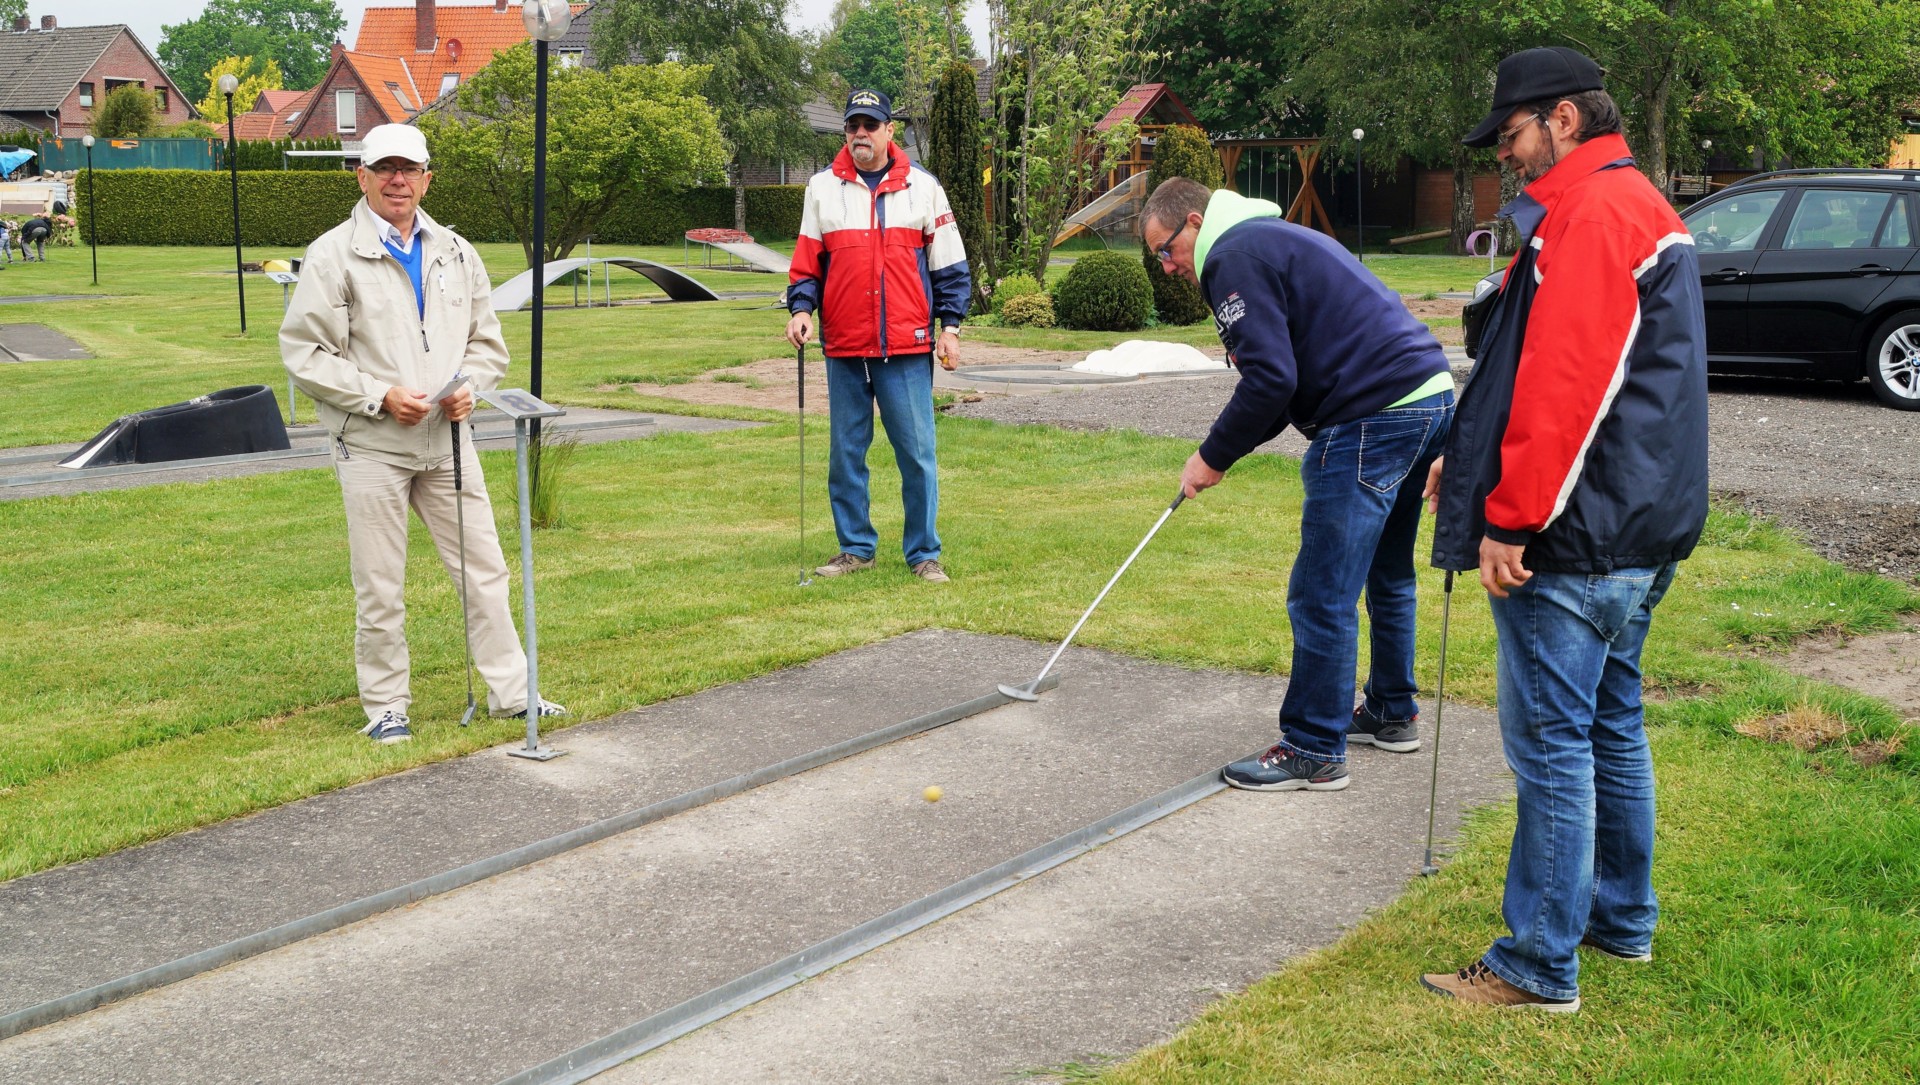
(393,141)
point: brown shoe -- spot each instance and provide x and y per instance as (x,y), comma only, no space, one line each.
(1478,984)
(931,572)
(842,564)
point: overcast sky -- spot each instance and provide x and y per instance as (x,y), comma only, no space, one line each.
(147,17)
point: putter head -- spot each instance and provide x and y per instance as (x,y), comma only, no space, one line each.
(467,717)
(805,580)
(1429,870)
(1018,693)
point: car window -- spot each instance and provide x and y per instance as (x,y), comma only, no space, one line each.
(1897,231)
(1733,225)
(1836,219)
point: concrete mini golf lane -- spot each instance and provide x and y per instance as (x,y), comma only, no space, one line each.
(481,983)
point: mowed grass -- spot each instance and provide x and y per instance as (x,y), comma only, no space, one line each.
(166,328)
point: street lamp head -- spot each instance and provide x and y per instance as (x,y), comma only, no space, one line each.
(229,83)
(1359,134)
(87,141)
(1706,145)
(546,20)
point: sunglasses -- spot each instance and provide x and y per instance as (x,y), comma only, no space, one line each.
(862,124)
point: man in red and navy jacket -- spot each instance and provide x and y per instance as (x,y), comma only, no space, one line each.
(880,261)
(1574,480)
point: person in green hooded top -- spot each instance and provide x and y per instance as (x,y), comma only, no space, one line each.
(1323,346)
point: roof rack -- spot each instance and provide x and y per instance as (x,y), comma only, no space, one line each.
(1832,171)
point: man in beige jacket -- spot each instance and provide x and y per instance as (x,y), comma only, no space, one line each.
(391,306)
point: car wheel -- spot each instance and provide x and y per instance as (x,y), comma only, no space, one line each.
(1893,361)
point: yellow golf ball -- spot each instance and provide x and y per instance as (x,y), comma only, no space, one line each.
(932,794)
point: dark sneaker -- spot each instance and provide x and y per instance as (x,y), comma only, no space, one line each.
(1394,736)
(1279,769)
(390,728)
(547,708)
(1637,958)
(843,564)
(1478,984)
(929,571)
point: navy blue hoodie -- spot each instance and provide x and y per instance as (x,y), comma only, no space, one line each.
(1318,341)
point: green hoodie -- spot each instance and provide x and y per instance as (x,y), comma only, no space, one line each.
(1226,210)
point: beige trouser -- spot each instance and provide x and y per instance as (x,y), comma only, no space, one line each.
(377,497)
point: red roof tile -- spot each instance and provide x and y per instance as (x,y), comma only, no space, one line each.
(1148,103)
(479,29)
(390,81)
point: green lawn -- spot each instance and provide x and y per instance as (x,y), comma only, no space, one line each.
(181,654)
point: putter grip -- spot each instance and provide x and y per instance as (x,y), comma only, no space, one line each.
(1177,498)
(456,457)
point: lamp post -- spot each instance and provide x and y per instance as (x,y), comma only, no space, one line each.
(93,221)
(1359,195)
(546,22)
(228,84)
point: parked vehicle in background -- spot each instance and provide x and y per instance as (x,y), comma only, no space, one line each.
(1810,273)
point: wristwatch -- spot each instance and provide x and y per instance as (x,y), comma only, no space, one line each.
(954,328)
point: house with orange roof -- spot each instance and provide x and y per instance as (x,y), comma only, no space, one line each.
(273,115)
(444,44)
(359,91)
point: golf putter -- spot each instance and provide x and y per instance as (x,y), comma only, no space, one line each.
(1026,692)
(800,362)
(460,518)
(1439,708)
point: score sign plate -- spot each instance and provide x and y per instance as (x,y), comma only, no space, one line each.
(284,278)
(518,403)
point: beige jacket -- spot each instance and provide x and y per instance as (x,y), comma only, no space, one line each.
(353,331)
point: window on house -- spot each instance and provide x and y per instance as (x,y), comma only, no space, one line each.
(344,112)
(571,58)
(400,96)
(86,96)
(449,81)
(160,99)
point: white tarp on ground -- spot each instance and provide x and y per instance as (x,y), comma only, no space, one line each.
(1137,356)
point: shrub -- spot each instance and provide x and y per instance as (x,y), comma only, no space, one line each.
(1017,285)
(126,112)
(1028,311)
(1183,151)
(1105,292)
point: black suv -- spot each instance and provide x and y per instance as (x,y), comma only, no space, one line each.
(1812,273)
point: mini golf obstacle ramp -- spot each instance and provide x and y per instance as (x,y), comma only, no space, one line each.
(230,422)
(737,243)
(517,293)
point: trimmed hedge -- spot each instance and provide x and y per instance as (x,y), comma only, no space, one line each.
(292,207)
(1027,311)
(1104,291)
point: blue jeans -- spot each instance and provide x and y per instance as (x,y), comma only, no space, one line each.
(1571,725)
(1357,526)
(903,387)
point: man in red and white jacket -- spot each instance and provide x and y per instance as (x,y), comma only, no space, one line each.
(880,261)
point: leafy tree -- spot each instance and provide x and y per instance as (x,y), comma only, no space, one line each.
(1218,56)
(193,129)
(761,73)
(1826,82)
(297,35)
(126,113)
(1416,74)
(1183,151)
(254,78)
(11,10)
(867,43)
(1076,58)
(954,156)
(611,133)
(932,39)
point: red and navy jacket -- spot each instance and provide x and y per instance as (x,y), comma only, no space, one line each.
(1582,432)
(881,265)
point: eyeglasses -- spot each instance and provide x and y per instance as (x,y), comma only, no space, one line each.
(1508,135)
(385,172)
(1165,251)
(863,124)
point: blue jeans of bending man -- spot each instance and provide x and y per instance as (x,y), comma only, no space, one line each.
(903,388)
(1571,726)
(1357,527)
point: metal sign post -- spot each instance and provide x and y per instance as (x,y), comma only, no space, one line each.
(285,279)
(523,408)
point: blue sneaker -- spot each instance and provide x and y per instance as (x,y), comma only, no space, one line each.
(390,728)
(1280,769)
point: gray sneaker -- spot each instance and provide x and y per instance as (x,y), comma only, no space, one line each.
(842,564)
(1394,736)
(931,572)
(547,708)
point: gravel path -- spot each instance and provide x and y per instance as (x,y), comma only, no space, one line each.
(1826,461)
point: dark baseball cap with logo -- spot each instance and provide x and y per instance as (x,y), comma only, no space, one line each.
(1533,75)
(869,103)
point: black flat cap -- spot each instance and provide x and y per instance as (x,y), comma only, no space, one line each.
(1532,75)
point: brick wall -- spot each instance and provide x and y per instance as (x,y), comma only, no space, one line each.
(762,172)
(123,60)
(321,120)
(1433,198)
